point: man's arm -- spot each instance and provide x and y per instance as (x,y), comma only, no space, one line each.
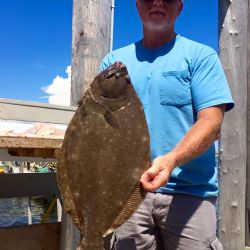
(198,139)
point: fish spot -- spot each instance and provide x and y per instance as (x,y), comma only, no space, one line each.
(76,194)
(74,156)
(103,159)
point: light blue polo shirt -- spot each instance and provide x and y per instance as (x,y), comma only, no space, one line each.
(174,82)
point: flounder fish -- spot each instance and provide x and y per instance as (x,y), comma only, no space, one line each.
(104,152)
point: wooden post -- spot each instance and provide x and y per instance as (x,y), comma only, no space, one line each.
(233,25)
(90,43)
(29,211)
(21,167)
(248,140)
(70,235)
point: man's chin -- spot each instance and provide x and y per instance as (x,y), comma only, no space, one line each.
(157,26)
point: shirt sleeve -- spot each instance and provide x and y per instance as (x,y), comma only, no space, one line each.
(209,86)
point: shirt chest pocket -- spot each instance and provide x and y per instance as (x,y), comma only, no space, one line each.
(175,88)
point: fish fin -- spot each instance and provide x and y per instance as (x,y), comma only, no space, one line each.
(63,179)
(133,202)
(109,231)
(111,119)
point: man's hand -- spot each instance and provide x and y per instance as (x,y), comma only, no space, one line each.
(158,174)
(198,139)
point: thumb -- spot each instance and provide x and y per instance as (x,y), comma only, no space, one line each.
(150,173)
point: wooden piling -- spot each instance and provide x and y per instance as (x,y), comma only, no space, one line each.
(233,25)
(90,43)
(248,138)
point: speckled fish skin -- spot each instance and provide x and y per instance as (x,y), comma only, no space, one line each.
(105,151)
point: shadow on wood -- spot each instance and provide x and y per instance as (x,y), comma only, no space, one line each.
(233,44)
(34,237)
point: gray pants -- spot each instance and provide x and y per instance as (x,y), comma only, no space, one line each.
(169,222)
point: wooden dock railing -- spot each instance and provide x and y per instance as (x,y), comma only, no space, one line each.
(17,148)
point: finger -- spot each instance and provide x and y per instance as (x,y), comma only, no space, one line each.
(154,183)
(148,176)
(157,182)
(147,185)
(151,172)
(151,186)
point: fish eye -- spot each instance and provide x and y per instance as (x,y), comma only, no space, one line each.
(109,76)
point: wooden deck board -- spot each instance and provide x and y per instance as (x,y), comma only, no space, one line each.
(30,142)
(30,146)
(28,184)
(37,237)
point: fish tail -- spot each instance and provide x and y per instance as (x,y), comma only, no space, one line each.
(91,243)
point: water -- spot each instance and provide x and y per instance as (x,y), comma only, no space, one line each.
(14,211)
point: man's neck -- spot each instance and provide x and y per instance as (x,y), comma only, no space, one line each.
(156,39)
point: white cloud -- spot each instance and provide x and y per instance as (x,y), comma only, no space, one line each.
(59,89)
(58,93)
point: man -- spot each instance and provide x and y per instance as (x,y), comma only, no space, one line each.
(184,94)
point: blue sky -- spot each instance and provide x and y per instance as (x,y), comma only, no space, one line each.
(36,35)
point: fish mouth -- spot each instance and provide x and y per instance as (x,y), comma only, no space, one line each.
(115,81)
(116,70)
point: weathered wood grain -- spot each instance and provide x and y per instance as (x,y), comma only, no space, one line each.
(248,139)
(90,42)
(43,236)
(28,184)
(233,21)
(35,112)
(29,142)
(19,148)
